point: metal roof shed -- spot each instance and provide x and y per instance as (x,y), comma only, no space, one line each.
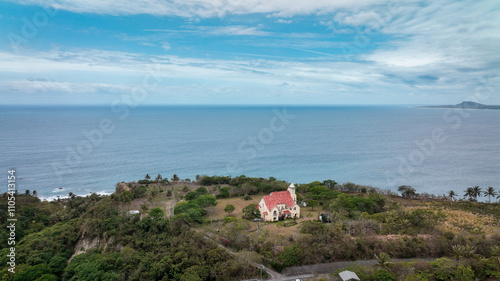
(349,276)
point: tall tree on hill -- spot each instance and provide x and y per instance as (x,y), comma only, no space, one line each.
(407,191)
(158,178)
(147,177)
(469,193)
(476,192)
(490,191)
(452,195)
(330,184)
(175,178)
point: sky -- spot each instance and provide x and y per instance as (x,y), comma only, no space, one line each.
(315,52)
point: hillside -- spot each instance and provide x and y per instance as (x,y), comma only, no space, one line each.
(97,238)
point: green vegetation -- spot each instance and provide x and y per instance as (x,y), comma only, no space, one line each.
(229,209)
(96,238)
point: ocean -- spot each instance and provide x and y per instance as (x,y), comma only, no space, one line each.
(57,150)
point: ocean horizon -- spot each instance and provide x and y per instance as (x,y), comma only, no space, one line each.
(81,149)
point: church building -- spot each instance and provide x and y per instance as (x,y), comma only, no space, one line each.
(279,205)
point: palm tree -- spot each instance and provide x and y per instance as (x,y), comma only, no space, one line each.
(490,192)
(175,177)
(452,195)
(473,193)
(495,253)
(468,193)
(476,192)
(469,251)
(158,178)
(458,251)
(383,260)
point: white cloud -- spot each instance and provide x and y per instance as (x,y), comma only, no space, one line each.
(283,21)
(165,46)
(425,48)
(450,35)
(51,87)
(234,30)
(202,8)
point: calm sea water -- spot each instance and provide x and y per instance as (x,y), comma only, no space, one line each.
(90,149)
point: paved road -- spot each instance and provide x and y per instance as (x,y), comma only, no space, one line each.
(306,271)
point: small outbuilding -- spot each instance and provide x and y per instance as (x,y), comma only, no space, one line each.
(349,276)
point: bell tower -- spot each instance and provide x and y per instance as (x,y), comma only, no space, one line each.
(291,189)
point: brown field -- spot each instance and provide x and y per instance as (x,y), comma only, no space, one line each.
(237,202)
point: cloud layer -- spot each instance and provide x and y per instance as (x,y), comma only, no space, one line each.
(253,51)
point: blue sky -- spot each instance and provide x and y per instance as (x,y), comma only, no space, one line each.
(249,52)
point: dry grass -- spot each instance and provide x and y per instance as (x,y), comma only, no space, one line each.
(275,229)
(457,221)
(237,202)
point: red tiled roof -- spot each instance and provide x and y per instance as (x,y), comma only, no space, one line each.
(265,213)
(280,197)
(287,212)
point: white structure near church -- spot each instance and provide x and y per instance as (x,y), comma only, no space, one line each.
(280,205)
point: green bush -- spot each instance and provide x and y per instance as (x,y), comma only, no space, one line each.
(383,275)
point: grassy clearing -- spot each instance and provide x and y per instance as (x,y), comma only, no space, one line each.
(237,202)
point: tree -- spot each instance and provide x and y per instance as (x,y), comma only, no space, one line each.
(156,213)
(490,192)
(476,192)
(407,191)
(330,184)
(383,260)
(291,255)
(312,203)
(158,178)
(495,253)
(473,193)
(175,178)
(147,177)
(251,211)
(459,251)
(229,209)
(452,195)
(35,193)
(27,192)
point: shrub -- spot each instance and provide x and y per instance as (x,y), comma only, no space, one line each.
(383,275)
(464,273)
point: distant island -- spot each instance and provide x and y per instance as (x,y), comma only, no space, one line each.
(465,105)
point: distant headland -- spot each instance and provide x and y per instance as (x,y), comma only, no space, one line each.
(465,105)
